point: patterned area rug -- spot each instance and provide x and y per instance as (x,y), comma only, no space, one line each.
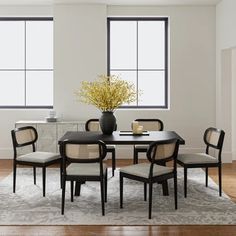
(28,207)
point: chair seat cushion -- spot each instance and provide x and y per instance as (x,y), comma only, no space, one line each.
(111,147)
(141,147)
(39,157)
(85,169)
(196,158)
(142,170)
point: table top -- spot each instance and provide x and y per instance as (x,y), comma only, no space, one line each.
(121,137)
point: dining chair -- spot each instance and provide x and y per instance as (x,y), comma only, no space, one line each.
(83,161)
(93,125)
(158,154)
(148,125)
(213,138)
(28,136)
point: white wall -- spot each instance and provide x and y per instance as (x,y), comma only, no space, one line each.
(225,42)
(233,91)
(80,54)
(9,117)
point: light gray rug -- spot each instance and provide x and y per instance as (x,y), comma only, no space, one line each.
(28,207)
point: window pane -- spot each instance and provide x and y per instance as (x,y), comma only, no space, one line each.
(39,44)
(151,45)
(12,89)
(39,88)
(12,45)
(130,76)
(152,86)
(123,45)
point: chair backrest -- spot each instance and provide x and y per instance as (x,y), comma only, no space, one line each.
(83,152)
(151,124)
(94,125)
(214,138)
(24,136)
(160,152)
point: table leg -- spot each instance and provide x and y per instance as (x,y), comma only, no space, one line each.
(78,187)
(165,188)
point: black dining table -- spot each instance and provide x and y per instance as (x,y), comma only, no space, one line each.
(123,138)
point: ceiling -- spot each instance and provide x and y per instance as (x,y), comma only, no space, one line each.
(112,2)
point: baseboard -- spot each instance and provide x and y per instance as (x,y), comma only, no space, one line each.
(6,153)
(227,157)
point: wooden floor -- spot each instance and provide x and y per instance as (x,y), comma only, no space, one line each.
(229,187)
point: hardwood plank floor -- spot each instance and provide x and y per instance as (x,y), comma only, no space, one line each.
(229,187)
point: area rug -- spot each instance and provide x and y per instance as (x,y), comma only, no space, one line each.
(28,207)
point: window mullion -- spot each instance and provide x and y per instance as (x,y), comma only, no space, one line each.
(25,63)
(137,87)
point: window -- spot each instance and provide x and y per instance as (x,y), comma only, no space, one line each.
(26,62)
(137,51)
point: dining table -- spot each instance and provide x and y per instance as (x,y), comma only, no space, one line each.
(123,138)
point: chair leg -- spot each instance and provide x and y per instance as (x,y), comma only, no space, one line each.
(14,177)
(72,191)
(165,188)
(63,195)
(102,195)
(145,191)
(150,201)
(185,182)
(34,170)
(61,170)
(206,176)
(175,191)
(105,180)
(113,153)
(121,191)
(78,188)
(44,180)
(220,181)
(135,157)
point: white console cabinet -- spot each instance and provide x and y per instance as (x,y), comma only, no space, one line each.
(50,132)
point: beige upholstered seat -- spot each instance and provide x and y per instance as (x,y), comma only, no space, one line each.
(93,125)
(38,157)
(196,158)
(213,138)
(158,154)
(27,136)
(143,170)
(148,125)
(83,162)
(92,169)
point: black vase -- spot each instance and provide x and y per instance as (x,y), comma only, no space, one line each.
(107,122)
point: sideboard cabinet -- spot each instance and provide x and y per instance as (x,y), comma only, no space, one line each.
(50,132)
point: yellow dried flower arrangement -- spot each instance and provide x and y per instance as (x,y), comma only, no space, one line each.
(107,92)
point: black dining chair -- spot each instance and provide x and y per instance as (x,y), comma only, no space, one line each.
(82,162)
(159,152)
(93,125)
(28,136)
(213,138)
(148,125)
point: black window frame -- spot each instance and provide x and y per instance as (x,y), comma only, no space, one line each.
(166,89)
(24,70)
